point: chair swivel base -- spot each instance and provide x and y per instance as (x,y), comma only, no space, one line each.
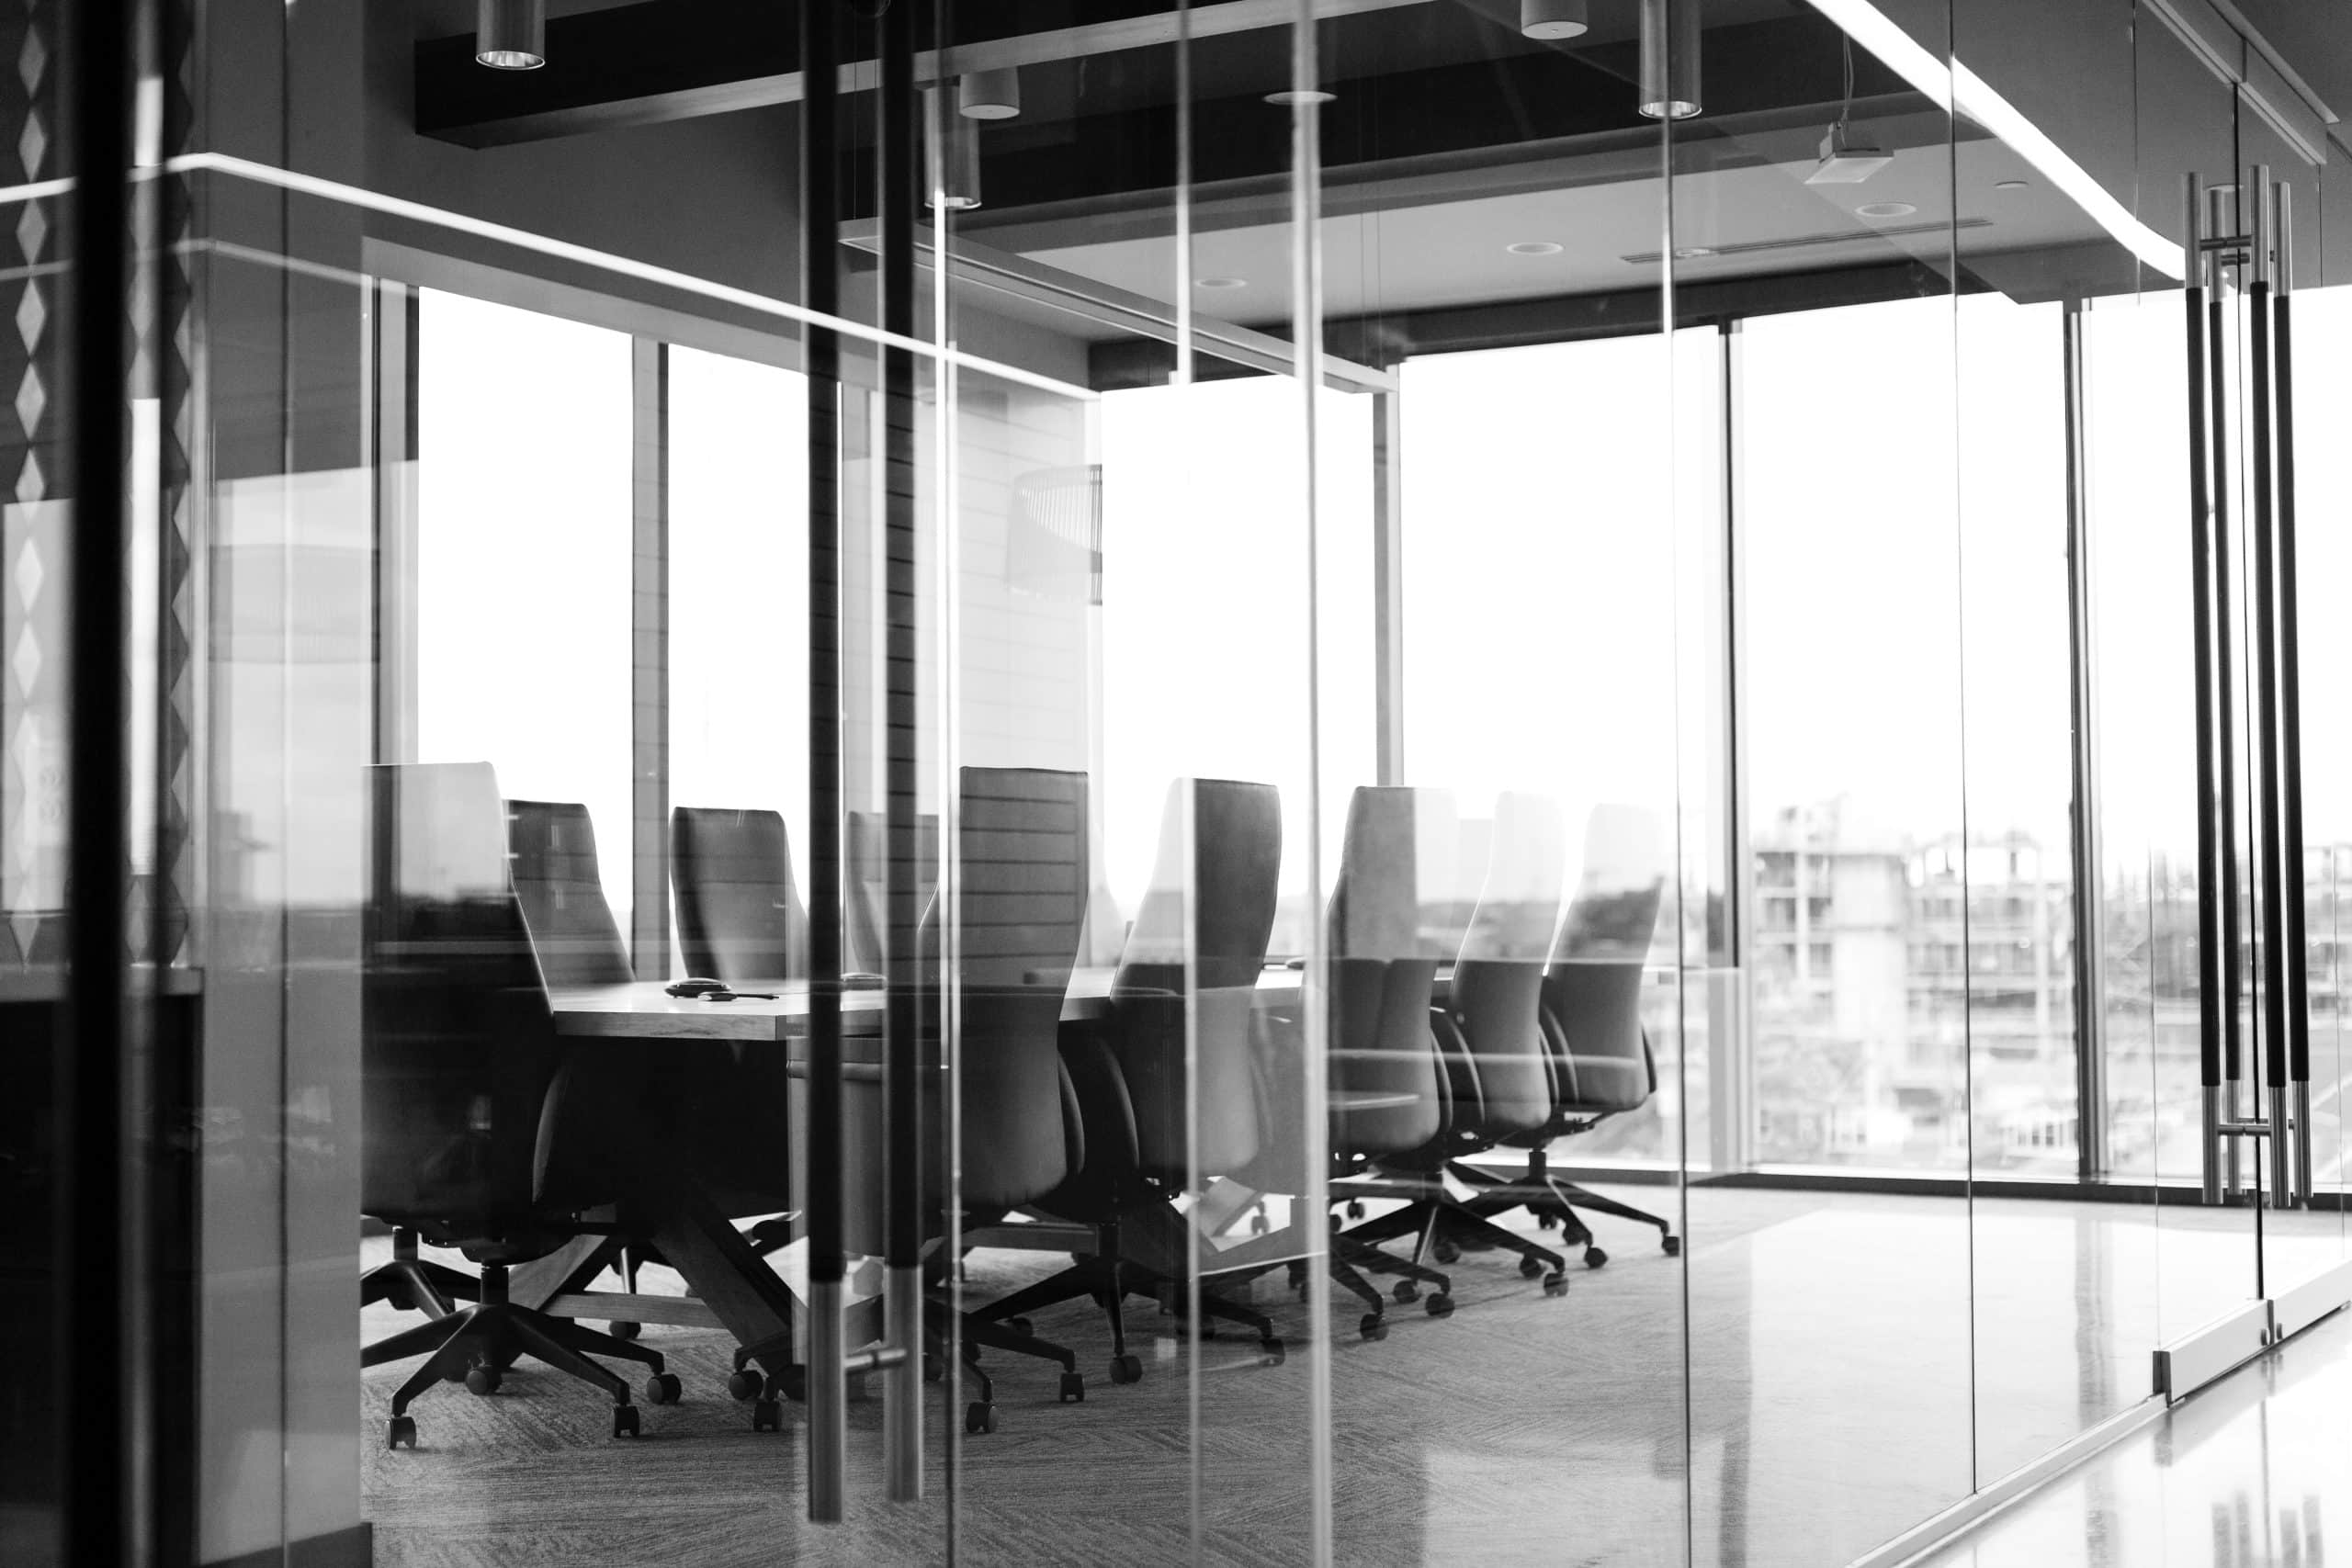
(1107,1279)
(1554,1200)
(1441,1225)
(416,1284)
(476,1343)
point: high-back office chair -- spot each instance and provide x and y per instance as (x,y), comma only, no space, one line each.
(1021,897)
(740,918)
(1487,1024)
(1387,929)
(562,895)
(1601,1059)
(866,853)
(481,1133)
(1150,1127)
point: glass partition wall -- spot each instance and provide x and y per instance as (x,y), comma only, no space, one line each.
(1350,783)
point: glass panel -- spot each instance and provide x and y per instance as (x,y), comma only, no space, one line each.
(1812,206)
(2065,1291)
(1491,197)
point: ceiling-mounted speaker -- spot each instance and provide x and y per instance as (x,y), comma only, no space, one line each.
(1553,19)
(989,94)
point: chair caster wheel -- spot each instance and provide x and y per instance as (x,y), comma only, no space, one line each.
(746,1385)
(624,1330)
(404,1430)
(1355,1208)
(1594,1258)
(767,1416)
(623,1420)
(934,1369)
(1441,1305)
(1531,1267)
(1023,1326)
(1673,1245)
(1556,1284)
(792,1383)
(1407,1290)
(1373,1327)
(1073,1390)
(978,1418)
(1127,1368)
(1445,1251)
(483,1380)
(1547,1222)
(663,1388)
(1258,1224)
(1271,1352)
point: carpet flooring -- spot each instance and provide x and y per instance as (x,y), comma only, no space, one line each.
(1842,1386)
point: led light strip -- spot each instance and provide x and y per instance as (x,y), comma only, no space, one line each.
(1958,90)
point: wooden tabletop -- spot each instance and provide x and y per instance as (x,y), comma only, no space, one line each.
(47,983)
(645,1010)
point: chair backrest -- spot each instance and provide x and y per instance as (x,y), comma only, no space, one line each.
(1388,932)
(1495,1000)
(458,1063)
(571,927)
(865,851)
(1592,991)
(1211,902)
(1021,890)
(740,918)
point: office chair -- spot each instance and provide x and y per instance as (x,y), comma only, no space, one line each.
(1386,931)
(562,895)
(1193,955)
(1487,1023)
(1601,1059)
(482,1131)
(1021,897)
(740,918)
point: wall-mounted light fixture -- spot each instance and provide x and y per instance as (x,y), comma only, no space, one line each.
(1670,59)
(989,94)
(511,35)
(1553,19)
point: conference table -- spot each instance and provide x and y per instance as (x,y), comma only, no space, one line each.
(729,1285)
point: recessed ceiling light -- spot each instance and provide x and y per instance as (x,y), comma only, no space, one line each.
(2009,185)
(1533,248)
(1222,283)
(1288,96)
(1885,209)
(1693,253)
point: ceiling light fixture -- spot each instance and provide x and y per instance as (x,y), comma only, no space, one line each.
(1693,253)
(956,188)
(1553,19)
(1846,158)
(1669,86)
(1222,283)
(1534,248)
(511,35)
(1885,209)
(2009,185)
(1291,97)
(989,94)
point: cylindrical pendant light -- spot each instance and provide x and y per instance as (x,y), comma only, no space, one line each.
(989,94)
(1551,18)
(954,182)
(1670,59)
(511,35)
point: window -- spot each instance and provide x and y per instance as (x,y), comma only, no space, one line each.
(523,551)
